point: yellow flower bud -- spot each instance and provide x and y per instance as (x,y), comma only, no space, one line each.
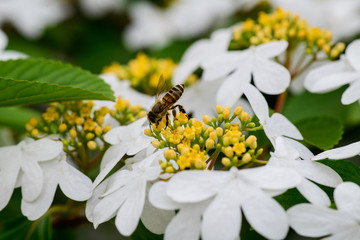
(73,133)
(91,145)
(33,121)
(107,128)
(169,169)
(219,131)
(225,161)
(251,141)
(206,119)
(213,135)
(35,132)
(78,121)
(148,132)
(89,136)
(246,158)
(228,151)
(209,143)
(226,114)
(238,110)
(155,143)
(98,130)
(219,109)
(163,165)
(62,127)
(244,117)
(169,154)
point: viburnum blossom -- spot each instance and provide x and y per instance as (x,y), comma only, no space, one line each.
(187,222)
(124,194)
(336,74)
(73,183)
(24,158)
(233,192)
(269,76)
(319,221)
(128,139)
(287,156)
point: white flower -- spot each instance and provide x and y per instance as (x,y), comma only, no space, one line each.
(336,74)
(25,158)
(198,99)
(287,156)
(235,191)
(8,54)
(347,151)
(124,194)
(128,139)
(187,222)
(122,88)
(269,76)
(73,183)
(32,17)
(96,8)
(318,221)
(277,125)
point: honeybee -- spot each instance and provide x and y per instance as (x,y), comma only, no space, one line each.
(162,106)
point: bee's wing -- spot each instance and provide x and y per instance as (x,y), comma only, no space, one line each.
(160,89)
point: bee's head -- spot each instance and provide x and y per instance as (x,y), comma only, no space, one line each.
(151,117)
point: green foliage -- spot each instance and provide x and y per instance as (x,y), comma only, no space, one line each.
(348,171)
(16,117)
(141,233)
(29,81)
(322,131)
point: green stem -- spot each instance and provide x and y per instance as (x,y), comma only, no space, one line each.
(280,101)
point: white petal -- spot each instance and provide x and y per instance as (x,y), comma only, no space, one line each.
(155,219)
(35,209)
(231,89)
(160,199)
(129,213)
(74,184)
(119,179)
(352,93)
(185,224)
(265,215)
(111,157)
(9,170)
(197,50)
(11,55)
(318,172)
(347,198)
(313,193)
(324,70)
(353,54)
(195,186)
(352,233)
(331,82)
(141,143)
(108,207)
(43,149)
(316,221)
(281,126)
(304,152)
(221,65)
(269,76)
(32,180)
(222,218)
(257,102)
(184,70)
(348,151)
(271,49)
(112,136)
(271,178)
(94,200)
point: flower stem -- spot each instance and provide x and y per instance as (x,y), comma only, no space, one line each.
(280,101)
(213,159)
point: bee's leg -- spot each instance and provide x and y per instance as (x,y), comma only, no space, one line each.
(167,120)
(174,112)
(181,108)
(150,127)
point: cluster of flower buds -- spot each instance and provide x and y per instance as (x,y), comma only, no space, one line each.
(191,144)
(80,127)
(282,25)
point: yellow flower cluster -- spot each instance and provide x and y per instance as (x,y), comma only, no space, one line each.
(282,25)
(80,126)
(191,144)
(144,72)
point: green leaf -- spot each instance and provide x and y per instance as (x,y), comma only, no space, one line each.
(322,131)
(290,198)
(348,171)
(43,230)
(29,81)
(16,117)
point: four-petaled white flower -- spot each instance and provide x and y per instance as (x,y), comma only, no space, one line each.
(128,139)
(201,51)
(277,125)
(235,191)
(187,222)
(319,221)
(73,183)
(287,156)
(124,194)
(336,74)
(347,151)
(269,77)
(24,158)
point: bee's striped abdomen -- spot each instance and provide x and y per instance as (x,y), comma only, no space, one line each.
(174,94)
